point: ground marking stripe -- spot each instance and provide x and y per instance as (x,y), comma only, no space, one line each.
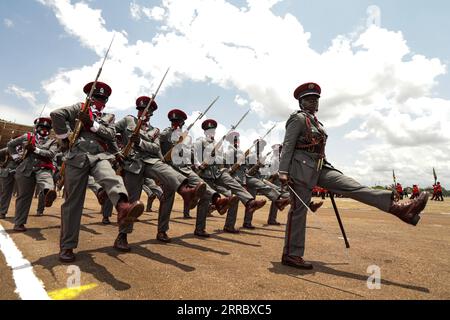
(28,286)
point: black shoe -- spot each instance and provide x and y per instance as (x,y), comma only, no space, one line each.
(248,226)
(2,216)
(106,221)
(121,243)
(163,237)
(66,255)
(273,223)
(230,230)
(201,233)
(39,214)
(20,228)
(187,216)
(296,262)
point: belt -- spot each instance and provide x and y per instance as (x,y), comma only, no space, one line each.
(309,148)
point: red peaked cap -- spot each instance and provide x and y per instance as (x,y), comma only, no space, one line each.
(176,114)
(101,89)
(232,136)
(143,101)
(43,122)
(306,89)
(209,124)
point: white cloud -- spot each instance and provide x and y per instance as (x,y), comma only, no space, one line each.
(16,115)
(138,12)
(8,23)
(30,97)
(370,75)
(240,101)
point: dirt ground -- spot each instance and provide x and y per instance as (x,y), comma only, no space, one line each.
(414,262)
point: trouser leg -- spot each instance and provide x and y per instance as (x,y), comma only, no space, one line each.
(75,183)
(294,241)
(106,177)
(133,183)
(338,183)
(107,209)
(41,203)
(273,213)
(25,192)
(171,181)
(225,180)
(7,187)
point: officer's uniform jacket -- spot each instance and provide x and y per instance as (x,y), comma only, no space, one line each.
(93,144)
(301,129)
(147,152)
(215,165)
(235,155)
(168,140)
(40,159)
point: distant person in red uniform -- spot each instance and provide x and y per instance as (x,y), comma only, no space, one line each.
(439,196)
(434,197)
(415,191)
(399,190)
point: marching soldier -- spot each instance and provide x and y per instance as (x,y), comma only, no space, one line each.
(145,161)
(415,192)
(35,169)
(434,197)
(399,190)
(90,155)
(303,165)
(439,196)
(254,183)
(183,165)
(7,181)
(209,170)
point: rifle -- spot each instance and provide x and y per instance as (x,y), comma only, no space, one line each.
(252,171)
(395,180)
(85,108)
(127,150)
(168,155)
(236,166)
(219,144)
(435,176)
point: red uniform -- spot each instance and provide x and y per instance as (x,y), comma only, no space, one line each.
(415,191)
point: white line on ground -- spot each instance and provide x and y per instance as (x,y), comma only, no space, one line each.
(28,286)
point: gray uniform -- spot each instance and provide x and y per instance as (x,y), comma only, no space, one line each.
(300,162)
(36,170)
(145,161)
(214,176)
(7,180)
(256,185)
(41,203)
(194,179)
(274,165)
(90,155)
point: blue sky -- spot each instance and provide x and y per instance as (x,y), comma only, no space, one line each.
(37,47)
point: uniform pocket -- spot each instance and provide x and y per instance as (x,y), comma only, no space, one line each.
(304,170)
